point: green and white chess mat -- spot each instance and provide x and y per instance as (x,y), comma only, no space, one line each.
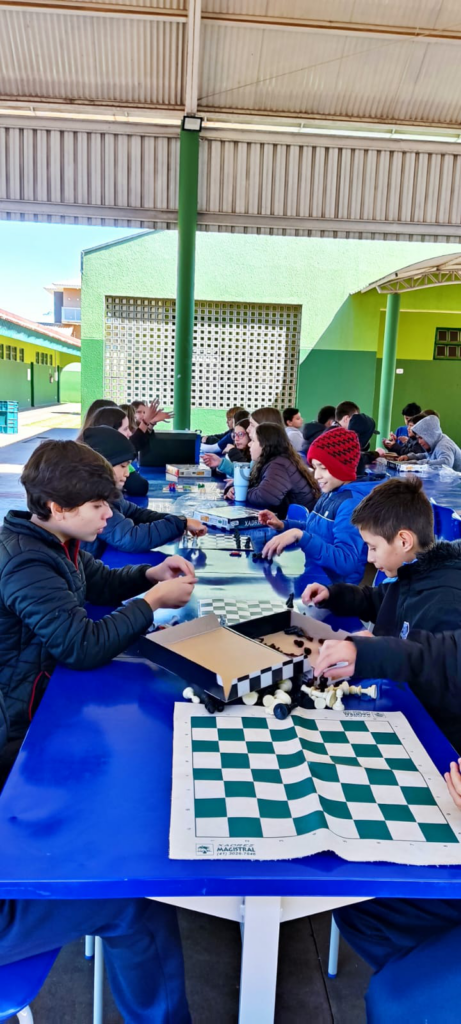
(358,783)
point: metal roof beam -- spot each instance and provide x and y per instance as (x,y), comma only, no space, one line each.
(193,55)
(279,23)
(413,284)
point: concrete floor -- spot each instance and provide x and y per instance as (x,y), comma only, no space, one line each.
(212,956)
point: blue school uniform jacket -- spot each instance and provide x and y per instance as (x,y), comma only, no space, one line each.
(329,537)
(132,528)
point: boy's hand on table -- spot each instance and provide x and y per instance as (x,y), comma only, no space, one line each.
(171,593)
(196,528)
(267,518)
(315,593)
(170,569)
(278,544)
(210,460)
(229,493)
(333,651)
(453,781)
(403,458)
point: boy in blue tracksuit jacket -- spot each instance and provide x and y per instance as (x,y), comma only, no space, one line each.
(329,538)
(131,528)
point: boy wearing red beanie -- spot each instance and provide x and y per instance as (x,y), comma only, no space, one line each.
(329,538)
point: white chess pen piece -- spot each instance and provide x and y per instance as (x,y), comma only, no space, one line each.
(189,694)
(369,691)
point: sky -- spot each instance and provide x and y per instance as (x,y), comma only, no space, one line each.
(33,255)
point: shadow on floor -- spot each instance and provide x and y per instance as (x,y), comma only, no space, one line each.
(212,955)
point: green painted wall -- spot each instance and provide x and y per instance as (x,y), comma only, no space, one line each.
(14,383)
(45,388)
(71,384)
(318,274)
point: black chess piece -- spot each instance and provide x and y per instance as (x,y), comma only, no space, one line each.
(291,601)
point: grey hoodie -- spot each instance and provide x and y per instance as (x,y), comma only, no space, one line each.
(443,451)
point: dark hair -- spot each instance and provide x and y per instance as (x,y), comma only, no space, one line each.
(245,423)
(109,416)
(68,473)
(327,412)
(267,414)
(129,411)
(289,413)
(239,414)
(99,403)
(274,441)
(397,505)
(412,409)
(137,402)
(422,416)
(346,409)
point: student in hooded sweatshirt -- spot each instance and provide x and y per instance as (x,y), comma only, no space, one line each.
(329,537)
(440,450)
(325,420)
(131,528)
(423,585)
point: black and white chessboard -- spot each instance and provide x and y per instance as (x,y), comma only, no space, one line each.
(358,783)
(235,610)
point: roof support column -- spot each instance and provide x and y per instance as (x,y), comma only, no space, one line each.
(189,141)
(386,393)
(187,228)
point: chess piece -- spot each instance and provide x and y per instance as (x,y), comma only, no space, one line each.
(250,698)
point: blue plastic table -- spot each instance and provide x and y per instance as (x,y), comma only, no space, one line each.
(85,813)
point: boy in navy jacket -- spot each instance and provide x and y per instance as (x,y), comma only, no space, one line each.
(329,538)
(131,528)
(45,579)
(423,585)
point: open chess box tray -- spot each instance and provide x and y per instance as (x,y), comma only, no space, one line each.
(228,663)
(225,518)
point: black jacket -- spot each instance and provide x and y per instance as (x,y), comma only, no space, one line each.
(43,588)
(410,446)
(281,484)
(132,528)
(136,486)
(430,664)
(312,430)
(425,595)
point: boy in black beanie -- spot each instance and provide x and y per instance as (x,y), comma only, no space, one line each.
(131,528)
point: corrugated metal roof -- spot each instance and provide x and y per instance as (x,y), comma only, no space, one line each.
(261,61)
(295,185)
(394,62)
(69,57)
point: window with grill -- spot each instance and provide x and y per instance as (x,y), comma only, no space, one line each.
(2,351)
(37,358)
(14,354)
(21,355)
(244,353)
(7,351)
(447,343)
(50,359)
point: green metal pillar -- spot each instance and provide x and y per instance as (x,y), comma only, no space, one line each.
(386,393)
(187,227)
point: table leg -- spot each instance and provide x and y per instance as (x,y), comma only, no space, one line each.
(258,975)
